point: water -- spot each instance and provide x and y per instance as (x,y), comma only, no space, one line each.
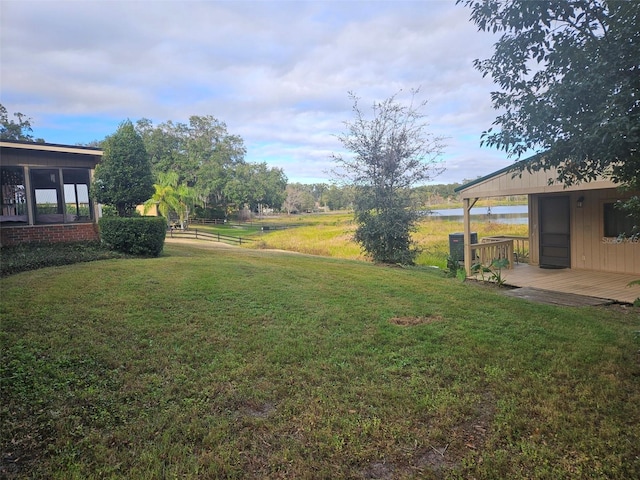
(513,214)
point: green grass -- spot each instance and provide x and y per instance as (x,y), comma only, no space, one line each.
(234,363)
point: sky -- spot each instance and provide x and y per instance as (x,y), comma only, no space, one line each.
(277,73)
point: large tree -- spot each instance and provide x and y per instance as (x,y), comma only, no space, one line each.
(299,198)
(255,186)
(201,152)
(388,154)
(16,130)
(123,178)
(569,78)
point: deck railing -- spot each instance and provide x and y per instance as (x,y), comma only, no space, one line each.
(490,249)
(515,249)
(520,246)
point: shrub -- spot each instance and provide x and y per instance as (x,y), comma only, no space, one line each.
(134,235)
(31,256)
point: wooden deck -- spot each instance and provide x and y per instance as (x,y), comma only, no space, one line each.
(602,285)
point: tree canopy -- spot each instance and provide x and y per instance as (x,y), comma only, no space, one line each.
(123,178)
(569,74)
(388,154)
(16,130)
(210,161)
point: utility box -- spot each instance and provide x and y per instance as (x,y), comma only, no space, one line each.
(456,245)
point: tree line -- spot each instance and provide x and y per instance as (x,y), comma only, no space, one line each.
(567,75)
(198,168)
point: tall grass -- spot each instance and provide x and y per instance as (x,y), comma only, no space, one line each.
(332,236)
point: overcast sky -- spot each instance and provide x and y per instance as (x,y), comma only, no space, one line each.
(277,73)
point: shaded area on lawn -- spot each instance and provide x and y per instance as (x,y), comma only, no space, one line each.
(22,258)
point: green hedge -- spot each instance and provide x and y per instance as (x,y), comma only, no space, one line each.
(134,235)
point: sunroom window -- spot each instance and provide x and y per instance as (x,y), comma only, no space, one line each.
(57,201)
(47,196)
(13,202)
(76,194)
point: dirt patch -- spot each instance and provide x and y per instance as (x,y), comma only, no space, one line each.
(378,471)
(436,461)
(258,410)
(411,321)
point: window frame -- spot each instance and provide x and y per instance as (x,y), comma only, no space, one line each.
(13,196)
(614,221)
(60,184)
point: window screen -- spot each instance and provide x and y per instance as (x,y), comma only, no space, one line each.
(616,222)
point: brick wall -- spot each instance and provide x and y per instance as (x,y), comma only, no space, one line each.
(77,232)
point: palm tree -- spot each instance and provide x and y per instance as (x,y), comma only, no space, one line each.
(170,197)
(185,196)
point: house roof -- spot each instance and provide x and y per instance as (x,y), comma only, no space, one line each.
(515,179)
(509,168)
(50,147)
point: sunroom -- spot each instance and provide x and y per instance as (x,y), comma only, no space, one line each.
(45,192)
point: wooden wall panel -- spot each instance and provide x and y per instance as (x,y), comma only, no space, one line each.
(589,249)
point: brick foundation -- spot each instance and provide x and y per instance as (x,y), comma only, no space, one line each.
(76,232)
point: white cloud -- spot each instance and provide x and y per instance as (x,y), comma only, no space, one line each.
(277,73)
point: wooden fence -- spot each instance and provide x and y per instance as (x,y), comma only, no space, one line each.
(263,226)
(211,237)
(207,221)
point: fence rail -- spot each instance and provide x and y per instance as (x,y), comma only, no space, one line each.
(263,226)
(207,221)
(211,237)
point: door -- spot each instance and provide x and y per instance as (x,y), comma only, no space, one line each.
(554,232)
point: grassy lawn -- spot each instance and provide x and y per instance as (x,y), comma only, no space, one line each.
(236,363)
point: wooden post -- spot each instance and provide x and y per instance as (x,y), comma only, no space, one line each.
(467,237)
(467,205)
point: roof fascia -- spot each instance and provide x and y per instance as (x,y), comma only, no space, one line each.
(51,147)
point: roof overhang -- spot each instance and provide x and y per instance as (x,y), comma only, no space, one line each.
(517,180)
(51,147)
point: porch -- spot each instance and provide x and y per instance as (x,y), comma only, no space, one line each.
(606,285)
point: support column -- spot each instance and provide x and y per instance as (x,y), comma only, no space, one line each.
(467,206)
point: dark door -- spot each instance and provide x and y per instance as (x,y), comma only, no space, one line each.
(554,232)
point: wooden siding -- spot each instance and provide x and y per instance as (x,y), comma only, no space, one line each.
(514,183)
(589,248)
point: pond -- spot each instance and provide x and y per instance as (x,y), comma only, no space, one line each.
(514,214)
